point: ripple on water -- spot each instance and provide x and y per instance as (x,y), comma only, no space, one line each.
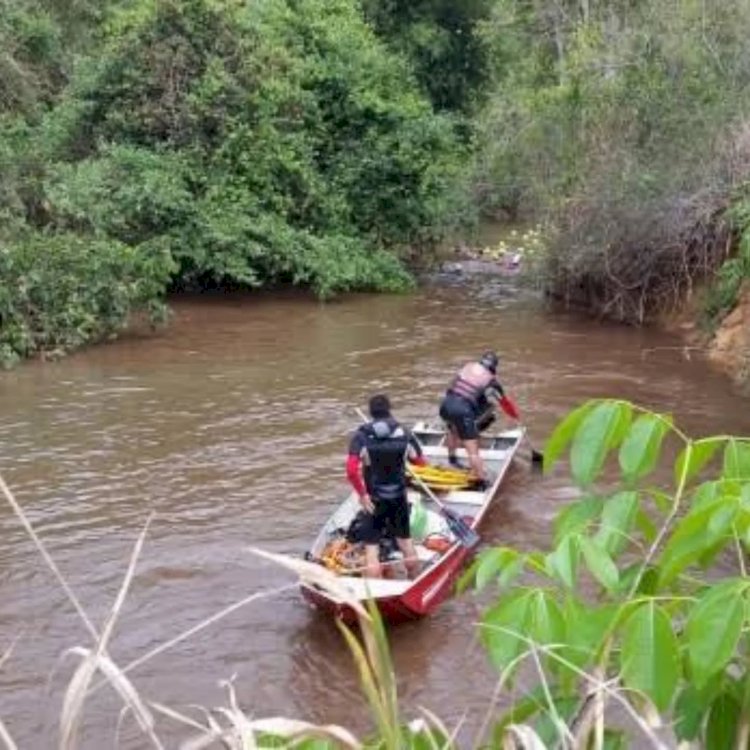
(232,427)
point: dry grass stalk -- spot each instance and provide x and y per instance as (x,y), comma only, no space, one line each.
(6,738)
(241,732)
(202,625)
(47,558)
(521,737)
(244,733)
(97,659)
(316,575)
(372,659)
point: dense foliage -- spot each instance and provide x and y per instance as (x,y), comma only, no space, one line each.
(331,144)
(238,143)
(622,123)
(451,60)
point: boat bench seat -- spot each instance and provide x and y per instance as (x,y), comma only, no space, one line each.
(464,497)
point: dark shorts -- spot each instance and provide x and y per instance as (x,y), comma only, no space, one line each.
(460,416)
(391,517)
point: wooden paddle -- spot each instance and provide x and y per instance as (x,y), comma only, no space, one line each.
(461,530)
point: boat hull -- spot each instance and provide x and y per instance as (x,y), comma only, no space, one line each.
(400,600)
(426,594)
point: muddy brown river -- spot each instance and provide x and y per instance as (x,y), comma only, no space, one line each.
(231,426)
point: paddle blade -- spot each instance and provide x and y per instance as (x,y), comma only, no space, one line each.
(462,531)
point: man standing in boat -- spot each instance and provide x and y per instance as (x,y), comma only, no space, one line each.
(376,468)
(467,408)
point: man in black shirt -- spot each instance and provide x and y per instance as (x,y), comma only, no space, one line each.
(376,468)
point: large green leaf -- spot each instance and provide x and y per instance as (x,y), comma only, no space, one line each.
(563,562)
(694,456)
(696,534)
(721,727)
(649,655)
(639,451)
(745,496)
(498,563)
(692,705)
(689,711)
(737,460)
(563,434)
(618,517)
(585,629)
(577,516)
(600,564)
(705,494)
(713,629)
(546,623)
(647,580)
(500,624)
(601,429)
(645,525)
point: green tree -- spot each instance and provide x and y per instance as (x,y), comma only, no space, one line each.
(441,38)
(252,144)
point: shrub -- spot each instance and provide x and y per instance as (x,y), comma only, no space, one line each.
(61,291)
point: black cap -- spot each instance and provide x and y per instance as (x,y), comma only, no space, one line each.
(380,407)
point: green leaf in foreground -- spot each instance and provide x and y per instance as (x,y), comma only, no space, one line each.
(563,434)
(737,460)
(563,562)
(601,429)
(721,728)
(618,517)
(600,564)
(695,535)
(713,629)
(586,627)
(649,656)
(694,456)
(505,626)
(639,451)
(576,517)
(500,563)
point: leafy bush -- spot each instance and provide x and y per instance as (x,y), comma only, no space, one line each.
(62,291)
(724,289)
(254,144)
(228,121)
(637,609)
(441,39)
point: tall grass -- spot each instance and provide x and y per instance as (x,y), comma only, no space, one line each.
(230,726)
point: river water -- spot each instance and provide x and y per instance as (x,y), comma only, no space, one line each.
(230,425)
